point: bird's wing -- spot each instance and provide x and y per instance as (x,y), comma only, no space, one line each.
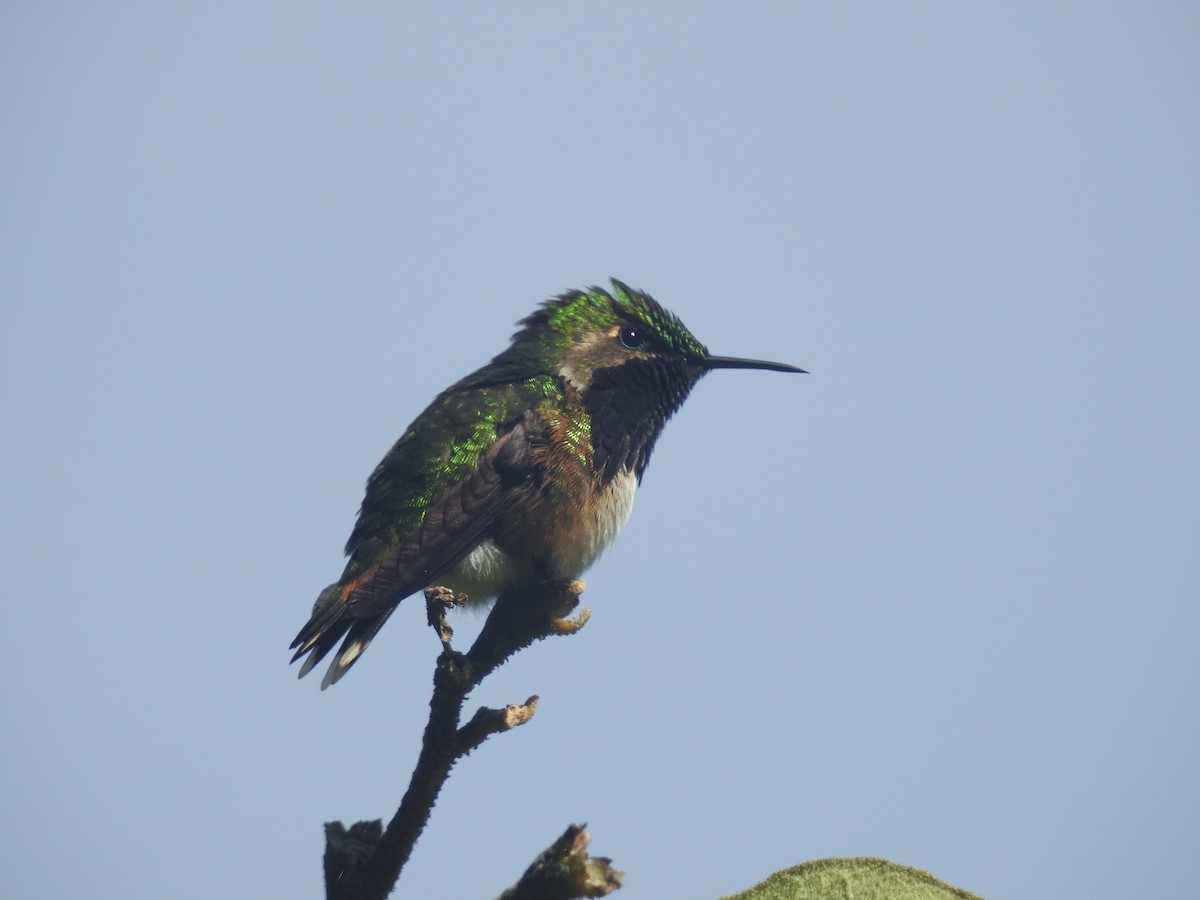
(428,504)
(452,526)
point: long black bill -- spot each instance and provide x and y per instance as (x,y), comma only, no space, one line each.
(733,362)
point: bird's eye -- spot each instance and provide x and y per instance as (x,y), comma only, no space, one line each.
(631,337)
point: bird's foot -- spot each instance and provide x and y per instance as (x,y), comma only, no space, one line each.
(438,600)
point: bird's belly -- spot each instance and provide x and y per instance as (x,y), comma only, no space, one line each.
(486,571)
(590,532)
(557,540)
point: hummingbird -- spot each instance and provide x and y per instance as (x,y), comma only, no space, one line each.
(522,472)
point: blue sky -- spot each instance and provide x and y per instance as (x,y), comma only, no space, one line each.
(936,601)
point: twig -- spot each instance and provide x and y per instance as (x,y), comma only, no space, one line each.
(518,619)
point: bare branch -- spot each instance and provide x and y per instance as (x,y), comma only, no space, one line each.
(487,722)
(355,871)
(345,854)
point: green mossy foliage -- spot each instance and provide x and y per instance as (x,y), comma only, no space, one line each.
(861,878)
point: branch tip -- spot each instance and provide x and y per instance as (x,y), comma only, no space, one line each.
(564,871)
